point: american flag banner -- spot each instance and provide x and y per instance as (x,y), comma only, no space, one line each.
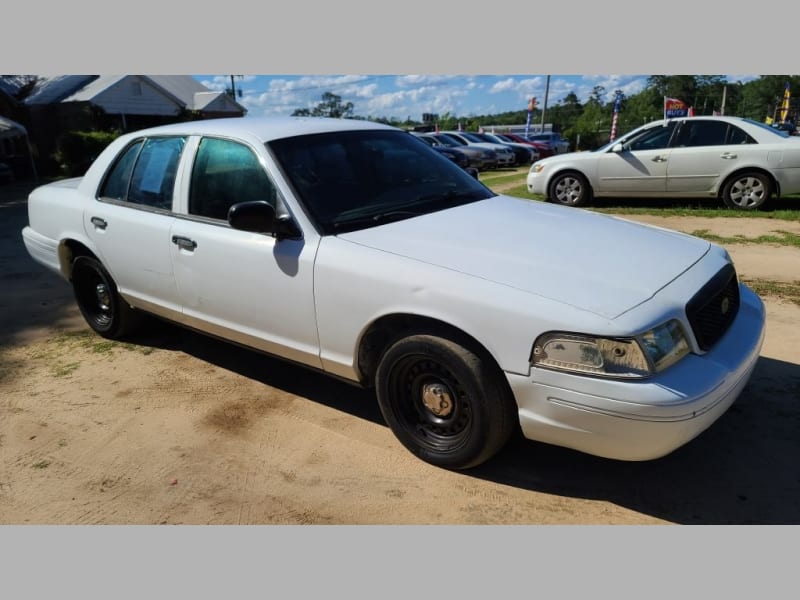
(614,118)
(785,103)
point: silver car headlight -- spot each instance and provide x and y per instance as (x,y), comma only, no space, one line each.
(537,168)
(636,357)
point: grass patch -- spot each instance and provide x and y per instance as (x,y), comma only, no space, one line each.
(782,238)
(64,369)
(788,291)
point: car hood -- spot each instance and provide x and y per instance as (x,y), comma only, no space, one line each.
(593,262)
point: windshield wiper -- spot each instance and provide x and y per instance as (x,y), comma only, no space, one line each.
(451,195)
(377,219)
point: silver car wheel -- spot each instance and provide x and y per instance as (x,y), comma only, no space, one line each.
(570,189)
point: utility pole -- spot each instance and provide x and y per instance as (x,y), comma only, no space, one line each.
(724,93)
(544,108)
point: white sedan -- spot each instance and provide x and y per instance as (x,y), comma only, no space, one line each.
(353,248)
(743,162)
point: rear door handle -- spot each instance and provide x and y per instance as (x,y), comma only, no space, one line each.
(99,223)
(184,243)
(728,155)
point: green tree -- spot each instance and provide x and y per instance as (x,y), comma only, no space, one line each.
(330,106)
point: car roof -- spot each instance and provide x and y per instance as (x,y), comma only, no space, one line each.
(264,129)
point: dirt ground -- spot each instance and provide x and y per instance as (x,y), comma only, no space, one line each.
(175,427)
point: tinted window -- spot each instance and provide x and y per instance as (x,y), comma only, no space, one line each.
(702,133)
(117,180)
(224,174)
(738,136)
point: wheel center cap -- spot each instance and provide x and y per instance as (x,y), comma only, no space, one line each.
(436,398)
(103,298)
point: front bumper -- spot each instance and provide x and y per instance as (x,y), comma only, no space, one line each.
(645,419)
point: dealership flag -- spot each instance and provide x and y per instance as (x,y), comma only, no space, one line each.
(675,108)
(785,103)
(614,119)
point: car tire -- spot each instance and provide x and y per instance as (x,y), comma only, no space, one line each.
(445,403)
(570,189)
(98,300)
(748,190)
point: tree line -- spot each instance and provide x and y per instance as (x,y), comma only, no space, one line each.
(590,121)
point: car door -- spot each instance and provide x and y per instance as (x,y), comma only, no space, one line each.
(640,165)
(703,152)
(248,287)
(129,224)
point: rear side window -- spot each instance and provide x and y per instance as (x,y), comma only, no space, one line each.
(145,172)
(118,179)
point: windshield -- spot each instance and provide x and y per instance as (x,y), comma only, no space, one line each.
(350,180)
(472,137)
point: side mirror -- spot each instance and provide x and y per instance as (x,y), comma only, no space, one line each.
(616,148)
(259,217)
(472,171)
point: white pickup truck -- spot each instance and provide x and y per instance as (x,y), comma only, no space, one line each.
(354,248)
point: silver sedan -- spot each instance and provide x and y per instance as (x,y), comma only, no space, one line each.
(741,161)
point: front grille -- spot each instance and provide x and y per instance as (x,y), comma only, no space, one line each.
(712,310)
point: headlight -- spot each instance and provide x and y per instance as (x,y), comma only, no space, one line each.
(636,357)
(537,168)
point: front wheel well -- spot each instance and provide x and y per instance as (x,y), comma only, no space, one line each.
(555,177)
(386,330)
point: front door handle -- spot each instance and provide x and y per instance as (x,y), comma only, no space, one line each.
(184,243)
(659,159)
(99,223)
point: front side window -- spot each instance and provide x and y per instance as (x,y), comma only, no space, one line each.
(654,138)
(145,172)
(226,173)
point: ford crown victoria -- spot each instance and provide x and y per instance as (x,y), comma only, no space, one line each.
(353,248)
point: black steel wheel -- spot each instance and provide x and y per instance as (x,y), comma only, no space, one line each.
(443,402)
(99,302)
(570,189)
(747,191)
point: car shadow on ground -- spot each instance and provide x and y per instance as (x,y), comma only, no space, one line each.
(288,377)
(743,470)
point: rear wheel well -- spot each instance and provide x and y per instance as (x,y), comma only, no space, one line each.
(776,187)
(385,331)
(68,251)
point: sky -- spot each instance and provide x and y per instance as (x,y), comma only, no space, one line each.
(404,96)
